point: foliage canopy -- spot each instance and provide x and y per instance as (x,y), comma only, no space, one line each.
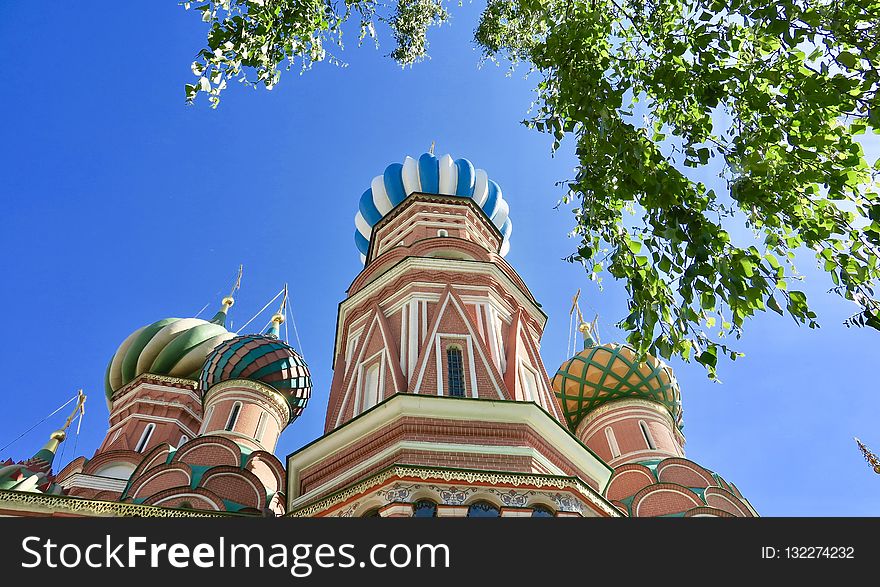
(773,94)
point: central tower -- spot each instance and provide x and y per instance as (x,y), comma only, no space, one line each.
(439,403)
(436,310)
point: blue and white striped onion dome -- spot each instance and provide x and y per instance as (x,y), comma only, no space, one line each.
(429,175)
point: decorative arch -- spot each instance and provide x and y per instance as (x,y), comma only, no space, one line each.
(663,499)
(628,480)
(483,508)
(156,457)
(484,496)
(722,499)
(159,479)
(174,496)
(707,512)
(112,457)
(209,451)
(684,472)
(235,484)
(268,469)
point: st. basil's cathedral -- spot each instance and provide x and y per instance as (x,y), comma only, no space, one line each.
(439,405)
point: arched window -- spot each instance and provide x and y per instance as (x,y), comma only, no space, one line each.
(483,509)
(442,232)
(261,427)
(371,387)
(373,513)
(145,437)
(233,416)
(455,370)
(612,442)
(542,511)
(647,434)
(425,508)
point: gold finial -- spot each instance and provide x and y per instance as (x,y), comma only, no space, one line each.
(869,456)
(59,435)
(589,330)
(278,317)
(229,300)
(79,409)
(431,150)
(575,307)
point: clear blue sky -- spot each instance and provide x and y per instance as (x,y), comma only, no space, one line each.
(121,206)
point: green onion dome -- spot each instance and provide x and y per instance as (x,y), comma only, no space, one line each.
(176,347)
(263,358)
(602,373)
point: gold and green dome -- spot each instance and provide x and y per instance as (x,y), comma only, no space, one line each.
(602,373)
(176,347)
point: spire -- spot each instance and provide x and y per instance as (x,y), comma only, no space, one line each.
(228,301)
(431,150)
(872,459)
(44,457)
(589,330)
(278,318)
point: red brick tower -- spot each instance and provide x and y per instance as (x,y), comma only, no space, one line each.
(439,396)
(437,311)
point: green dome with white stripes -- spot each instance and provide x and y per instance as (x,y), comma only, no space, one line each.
(176,347)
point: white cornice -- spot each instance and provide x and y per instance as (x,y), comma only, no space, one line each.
(434,407)
(94,482)
(352,474)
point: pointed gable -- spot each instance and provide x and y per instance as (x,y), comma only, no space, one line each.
(453,328)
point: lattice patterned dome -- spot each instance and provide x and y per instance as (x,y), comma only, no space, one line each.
(602,373)
(263,358)
(429,175)
(176,347)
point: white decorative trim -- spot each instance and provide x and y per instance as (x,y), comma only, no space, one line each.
(94,482)
(503,487)
(484,410)
(413,340)
(473,367)
(271,398)
(621,403)
(353,472)
(403,340)
(435,264)
(355,381)
(153,418)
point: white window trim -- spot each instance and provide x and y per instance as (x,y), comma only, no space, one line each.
(234,413)
(261,427)
(145,437)
(361,381)
(612,442)
(646,432)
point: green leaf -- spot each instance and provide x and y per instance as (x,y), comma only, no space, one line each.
(847,59)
